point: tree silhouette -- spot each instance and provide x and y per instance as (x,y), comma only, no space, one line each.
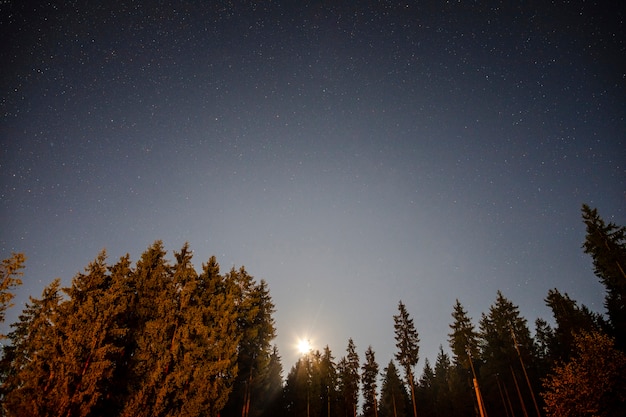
(407,343)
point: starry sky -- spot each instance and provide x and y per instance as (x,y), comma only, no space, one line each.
(352,154)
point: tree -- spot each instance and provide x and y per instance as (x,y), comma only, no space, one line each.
(348,372)
(570,319)
(425,392)
(27,374)
(273,386)
(464,343)
(407,343)
(328,384)
(369,379)
(255,325)
(606,243)
(504,333)
(592,383)
(394,400)
(441,385)
(10,273)
(92,341)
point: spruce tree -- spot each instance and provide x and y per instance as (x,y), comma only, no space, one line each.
(394,400)
(349,377)
(328,383)
(28,376)
(10,273)
(500,330)
(606,243)
(257,330)
(407,343)
(441,385)
(570,319)
(463,341)
(92,344)
(369,379)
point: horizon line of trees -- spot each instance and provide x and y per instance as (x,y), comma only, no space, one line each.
(160,339)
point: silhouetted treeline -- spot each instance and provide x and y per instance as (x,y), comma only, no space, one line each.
(160,339)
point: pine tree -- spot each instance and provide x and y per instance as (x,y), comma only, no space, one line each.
(606,243)
(394,400)
(407,343)
(369,378)
(591,383)
(10,273)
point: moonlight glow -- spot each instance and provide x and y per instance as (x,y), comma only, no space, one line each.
(304,346)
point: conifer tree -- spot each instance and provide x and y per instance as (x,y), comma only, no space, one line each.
(500,329)
(407,343)
(272,404)
(151,332)
(441,385)
(463,341)
(92,344)
(256,328)
(369,380)
(394,400)
(606,243)
(10,273)
(349,377)
(570,319)
(328,383)
(27,374)
(425,391)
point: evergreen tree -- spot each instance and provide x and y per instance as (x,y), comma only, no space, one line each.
(272,405)
(501,330)
(425,391)
(256,328)
(152,332)
(394,400)
(591,383)
(302,388)
(10,273)
(348,370)
(369,378)
(407,343)
(441,385)
(92,344)
(463,341)
(570,319)
(606,243)
(27,372)
(328,382)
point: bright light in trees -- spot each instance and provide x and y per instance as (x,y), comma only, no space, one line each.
(304,346)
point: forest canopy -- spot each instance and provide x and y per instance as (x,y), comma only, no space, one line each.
(159,338)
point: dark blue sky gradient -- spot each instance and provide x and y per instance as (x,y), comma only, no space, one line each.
(350,154)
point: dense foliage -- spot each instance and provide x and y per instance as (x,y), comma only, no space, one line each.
(161,339)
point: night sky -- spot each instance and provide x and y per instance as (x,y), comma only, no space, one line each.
(352,154)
